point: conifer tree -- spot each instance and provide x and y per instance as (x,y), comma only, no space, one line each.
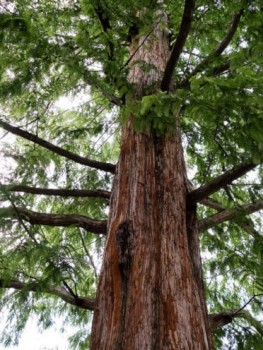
(108,205)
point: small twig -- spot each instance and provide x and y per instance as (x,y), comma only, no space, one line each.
(248,302)
(217,52)
(18,214)
(142,43)
(69,289)
(88,254)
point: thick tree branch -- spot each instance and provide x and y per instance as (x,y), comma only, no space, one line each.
(61,292)
(246,225)
(226,215)
(217,52)
(58,150)
(219,182)
(58,192)
(60,220)
(223,318)
(208,202)
(179,44)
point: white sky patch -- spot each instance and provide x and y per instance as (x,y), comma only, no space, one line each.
(7,164)
(33,339)
(71,102)
(64,103)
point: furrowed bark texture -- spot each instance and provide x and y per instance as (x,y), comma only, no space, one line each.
(150,293)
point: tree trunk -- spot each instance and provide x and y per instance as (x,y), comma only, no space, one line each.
(150,293)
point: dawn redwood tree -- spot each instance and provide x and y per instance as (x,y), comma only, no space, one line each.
(159,93)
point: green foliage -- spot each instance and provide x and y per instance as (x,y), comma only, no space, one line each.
(160,113)
(53,51)
(157,112)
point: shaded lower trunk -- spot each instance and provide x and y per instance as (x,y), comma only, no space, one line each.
(150,293)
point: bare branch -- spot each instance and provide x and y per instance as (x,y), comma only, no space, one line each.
(179,44)
(219,182)
(227,215)
(88,254)
(223,318)
(59,220)
(61,292)
(217,52)
(58,150)
(62,192)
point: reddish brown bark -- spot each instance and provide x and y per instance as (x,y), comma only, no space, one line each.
(150,293)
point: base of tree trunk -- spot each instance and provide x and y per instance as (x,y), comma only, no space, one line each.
(149,294)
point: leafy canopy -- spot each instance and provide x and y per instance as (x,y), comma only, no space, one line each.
(78,51)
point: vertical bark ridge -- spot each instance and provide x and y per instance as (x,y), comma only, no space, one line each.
(194,246)
(157,305)
(148,294)
(151,50)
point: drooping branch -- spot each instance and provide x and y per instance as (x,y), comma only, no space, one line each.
(61,292)
(219,182)
(227,215)
(62,192)
(59,220)
(179,44)
(217,52)
(58,150)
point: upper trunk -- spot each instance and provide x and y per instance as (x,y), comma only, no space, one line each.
(150,294)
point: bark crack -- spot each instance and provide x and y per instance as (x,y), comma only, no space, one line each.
(125,246)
